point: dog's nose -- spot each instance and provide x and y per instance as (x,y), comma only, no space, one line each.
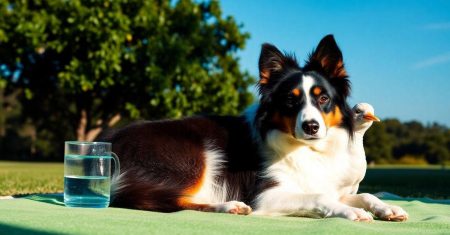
(310,127)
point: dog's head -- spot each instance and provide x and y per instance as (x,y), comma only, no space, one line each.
(303,101)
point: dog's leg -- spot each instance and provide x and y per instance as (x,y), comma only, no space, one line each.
(280,202)
(232,207)
(380,209)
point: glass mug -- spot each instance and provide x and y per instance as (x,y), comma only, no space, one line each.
(87,173)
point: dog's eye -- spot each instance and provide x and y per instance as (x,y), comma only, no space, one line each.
(323,99)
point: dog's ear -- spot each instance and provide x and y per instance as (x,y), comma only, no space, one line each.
(328,56)
(327,59)
(273,64)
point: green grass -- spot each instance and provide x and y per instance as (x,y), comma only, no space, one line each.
(408,181)
(25,178)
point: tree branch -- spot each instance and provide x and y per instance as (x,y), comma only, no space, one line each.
(93,133)
(81,130)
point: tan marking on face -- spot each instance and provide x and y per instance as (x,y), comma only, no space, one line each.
(296,92)
(333,118)
(317,91)
(264,75)
(285,124)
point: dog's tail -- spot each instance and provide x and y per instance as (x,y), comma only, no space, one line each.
(135,191)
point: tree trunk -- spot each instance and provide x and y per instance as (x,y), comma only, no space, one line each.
(81,131)
(85,134)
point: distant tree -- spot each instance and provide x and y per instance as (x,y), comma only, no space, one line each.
(378,144)
(81,66)
(436,141)
(412,142)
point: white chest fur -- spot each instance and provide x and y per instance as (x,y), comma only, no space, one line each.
(332,166)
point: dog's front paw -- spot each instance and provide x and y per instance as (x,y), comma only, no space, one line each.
(352,213)
(234,207)
(391,213)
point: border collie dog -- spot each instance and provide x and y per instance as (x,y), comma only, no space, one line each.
(263,161)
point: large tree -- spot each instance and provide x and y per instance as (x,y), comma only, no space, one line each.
(81,66)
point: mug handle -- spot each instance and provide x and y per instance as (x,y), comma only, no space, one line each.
(116,166)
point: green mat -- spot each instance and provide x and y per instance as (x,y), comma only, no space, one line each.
(46,214)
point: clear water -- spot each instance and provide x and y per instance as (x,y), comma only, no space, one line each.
(86,191)
(87,181)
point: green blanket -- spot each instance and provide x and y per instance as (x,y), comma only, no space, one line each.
(46,214)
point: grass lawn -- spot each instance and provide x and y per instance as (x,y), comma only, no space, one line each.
(25,178)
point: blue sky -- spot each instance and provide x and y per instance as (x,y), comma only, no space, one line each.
(396,52)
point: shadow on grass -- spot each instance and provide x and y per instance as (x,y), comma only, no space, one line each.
(11,229)
(54,198)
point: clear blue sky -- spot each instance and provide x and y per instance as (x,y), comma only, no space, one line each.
(396,52)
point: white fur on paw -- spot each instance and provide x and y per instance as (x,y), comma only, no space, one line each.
(352,213)
(234,207)
(391,213)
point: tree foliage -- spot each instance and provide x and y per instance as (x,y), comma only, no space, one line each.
(411,142)
(81,66)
